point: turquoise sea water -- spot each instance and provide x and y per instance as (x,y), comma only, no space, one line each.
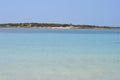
(58,54)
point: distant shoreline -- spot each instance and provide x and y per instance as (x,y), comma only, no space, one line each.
(54,26)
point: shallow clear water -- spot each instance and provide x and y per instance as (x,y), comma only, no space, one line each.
(57,54)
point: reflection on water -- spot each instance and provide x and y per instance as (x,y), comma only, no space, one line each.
(43,30)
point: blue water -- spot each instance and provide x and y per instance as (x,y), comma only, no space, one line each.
(59,54)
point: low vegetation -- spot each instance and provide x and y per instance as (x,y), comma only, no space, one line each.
(52,25)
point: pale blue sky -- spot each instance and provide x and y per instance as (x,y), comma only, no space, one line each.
(93,12)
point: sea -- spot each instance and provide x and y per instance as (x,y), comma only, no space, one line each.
(59,54)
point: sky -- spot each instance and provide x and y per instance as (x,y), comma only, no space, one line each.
(89,12)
